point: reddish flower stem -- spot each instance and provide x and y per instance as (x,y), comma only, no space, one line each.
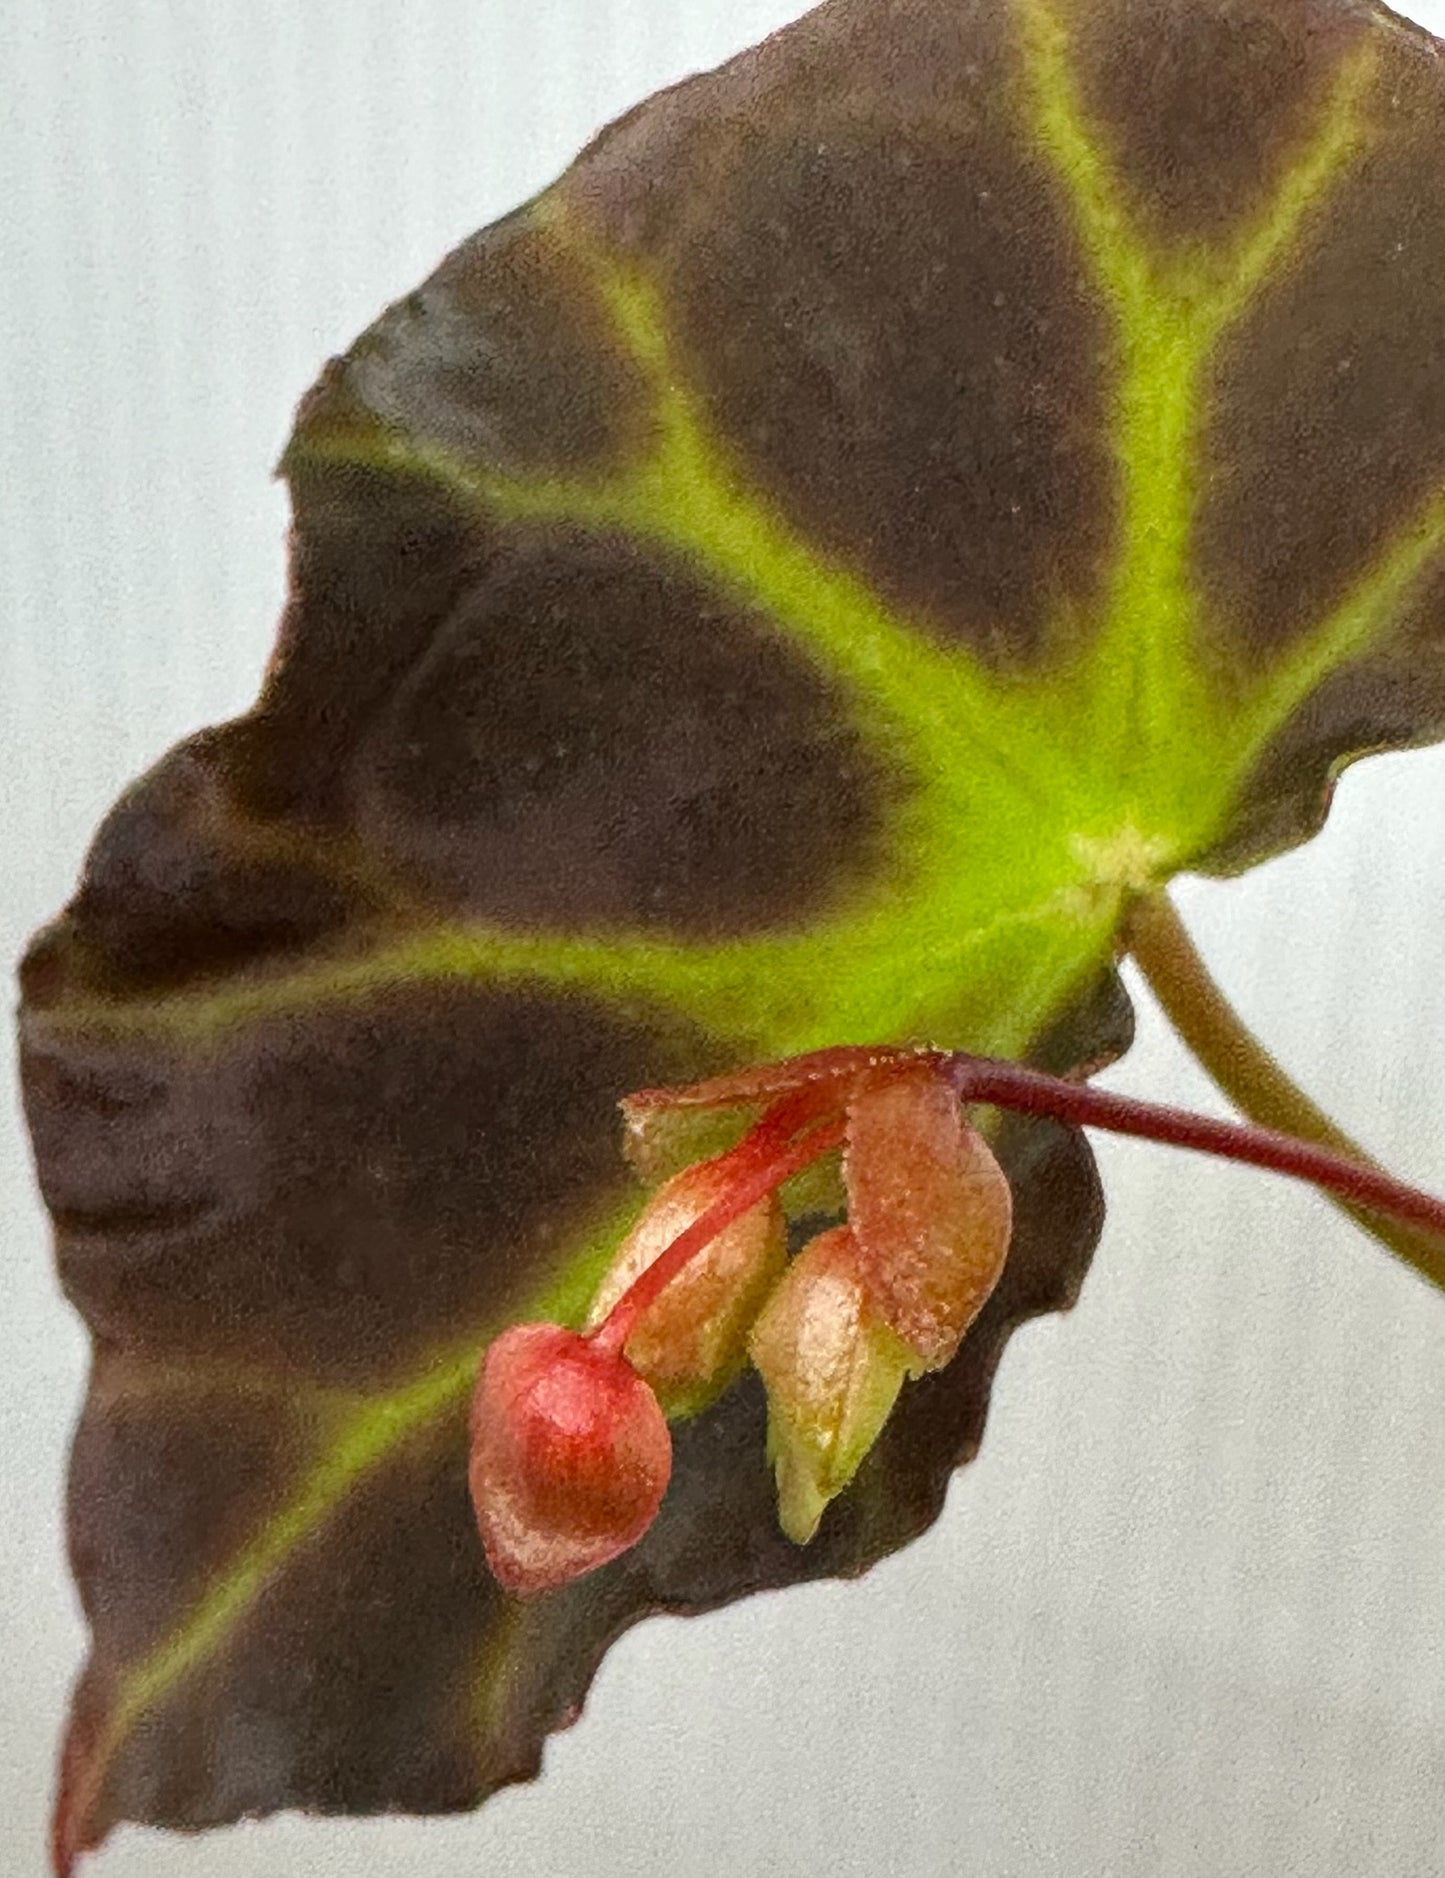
(1031,1092)
(772,1168)
(1255,1082)
(798,1129)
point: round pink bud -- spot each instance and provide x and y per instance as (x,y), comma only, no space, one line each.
(570,1456)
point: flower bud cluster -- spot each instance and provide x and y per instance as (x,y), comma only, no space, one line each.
(570,1448)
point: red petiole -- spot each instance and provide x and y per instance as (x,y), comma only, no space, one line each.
(1031,1092)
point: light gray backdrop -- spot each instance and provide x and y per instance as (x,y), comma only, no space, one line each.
(1185,1616)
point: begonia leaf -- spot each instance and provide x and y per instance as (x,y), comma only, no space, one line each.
(894,499)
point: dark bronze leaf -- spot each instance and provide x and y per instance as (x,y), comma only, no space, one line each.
(893,500)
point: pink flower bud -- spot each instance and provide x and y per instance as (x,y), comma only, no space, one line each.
(692,1339)
(929,1206)
(570,1457)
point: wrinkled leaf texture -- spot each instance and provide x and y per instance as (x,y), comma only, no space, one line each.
(897,495)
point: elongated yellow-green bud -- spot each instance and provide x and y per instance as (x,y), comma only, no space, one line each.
(832,1371)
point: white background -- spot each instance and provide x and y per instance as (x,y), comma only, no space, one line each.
(1185,1616)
